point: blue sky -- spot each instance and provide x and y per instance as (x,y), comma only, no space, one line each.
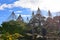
(25,7)
(5,12)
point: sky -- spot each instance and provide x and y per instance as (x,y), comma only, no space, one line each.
(25,7)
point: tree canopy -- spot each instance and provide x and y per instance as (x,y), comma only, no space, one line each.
(13,26)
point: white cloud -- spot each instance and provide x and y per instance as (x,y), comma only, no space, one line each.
(53,5)
(15,11)
(6,6)
(26,15)
(10,10)
(32,4)
(23,15)
(18,11)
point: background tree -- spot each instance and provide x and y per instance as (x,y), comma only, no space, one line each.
(0,29)
(13,27)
